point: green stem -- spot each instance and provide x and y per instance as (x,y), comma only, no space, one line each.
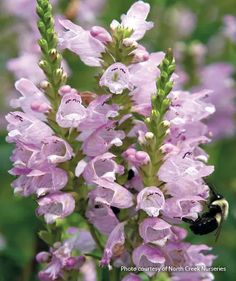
(95,236)
(115,274)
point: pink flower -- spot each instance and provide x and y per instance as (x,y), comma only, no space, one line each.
(81,42)
(143,76)
(148,256)
(151,200)
(40,181)
(155,231)
(115,244)
(71,111)
(55,206)
(25,128)
(186,108)
(102,139)
(178,207)
(116,78)
(56,150)
(135,20)
(112,194)
(102,167)
(177,168)
(98,114)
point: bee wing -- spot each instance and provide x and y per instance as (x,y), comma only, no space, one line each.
(223,216)
(217,234)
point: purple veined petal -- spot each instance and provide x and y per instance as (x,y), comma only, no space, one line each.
(131,277)
(116,78)
(148,256)
(30,95)
(81,42)
(26,129)
(155,231)
(187,131)
(187,108)
(55,206)
(102,139)
(102,166)
(190,188)
(188,206)
(112,194)
(70,112)
(147,71)
(56,150)
(143,76)
(51,180)
(151,200)
(177,168)
(21,158)
(98,114)
(135,19)
(101,216)
(115,245)
(53,150)
(23,186)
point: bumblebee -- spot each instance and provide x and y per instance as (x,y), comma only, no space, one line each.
(211,220)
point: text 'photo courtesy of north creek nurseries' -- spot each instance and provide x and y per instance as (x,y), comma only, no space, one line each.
(117,140)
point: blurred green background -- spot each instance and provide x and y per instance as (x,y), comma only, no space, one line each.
(18,224)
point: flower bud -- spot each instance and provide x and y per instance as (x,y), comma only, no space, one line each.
(149,135)
(100,34)
(43,257)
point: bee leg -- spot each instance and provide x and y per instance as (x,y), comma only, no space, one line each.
(188,220)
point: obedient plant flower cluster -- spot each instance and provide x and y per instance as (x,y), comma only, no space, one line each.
(127,159)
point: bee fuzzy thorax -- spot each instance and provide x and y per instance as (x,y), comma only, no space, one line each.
(224,206)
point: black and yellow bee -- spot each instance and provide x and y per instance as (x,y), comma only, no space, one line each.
(211,220)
